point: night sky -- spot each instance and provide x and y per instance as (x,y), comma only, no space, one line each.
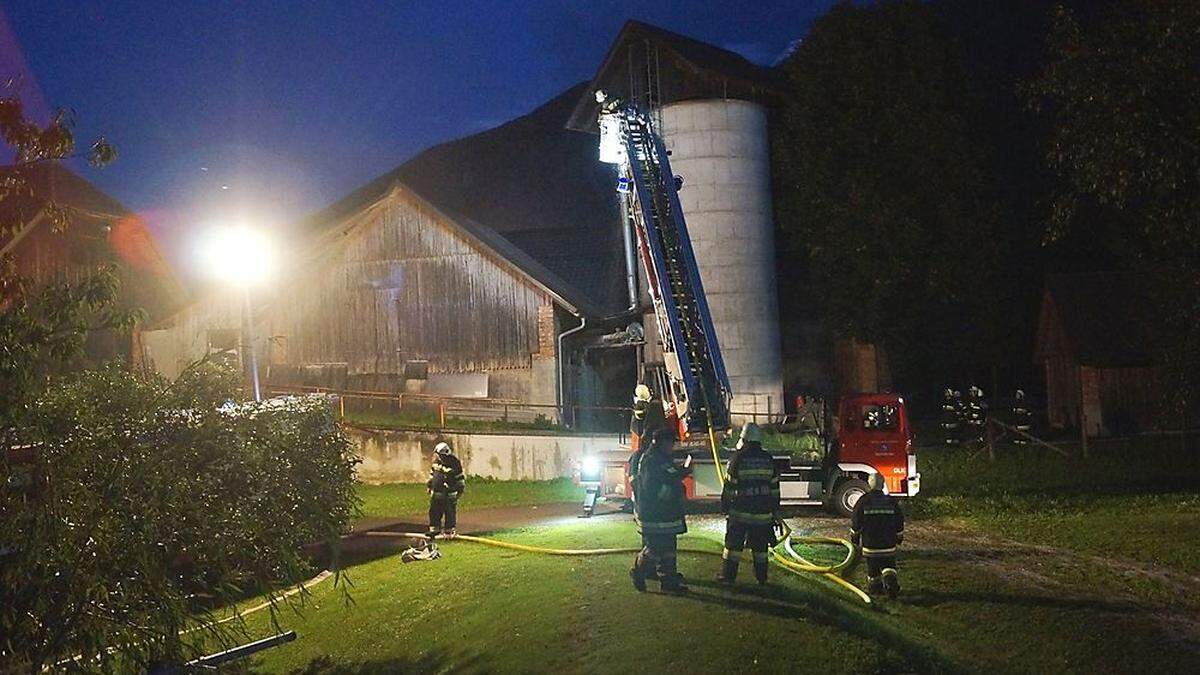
(277,108)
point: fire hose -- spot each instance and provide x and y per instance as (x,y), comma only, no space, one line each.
(793,562)
(798,564)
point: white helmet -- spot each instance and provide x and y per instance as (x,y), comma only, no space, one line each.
(641,393)
(443,448)
(751,432)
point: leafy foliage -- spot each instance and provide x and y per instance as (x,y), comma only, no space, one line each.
(148,504)
(883,189)
(30,143)
(1122,92)
(44,329)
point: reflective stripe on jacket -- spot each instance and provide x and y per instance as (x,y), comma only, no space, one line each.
(659,507)
(446,476)
(751,493)
(879,521)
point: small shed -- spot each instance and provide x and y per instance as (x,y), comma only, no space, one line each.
(1096,341)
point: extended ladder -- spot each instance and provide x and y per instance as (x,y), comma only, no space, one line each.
(699,385)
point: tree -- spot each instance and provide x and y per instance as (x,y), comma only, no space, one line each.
(30,143)
(133,509)
(884,189)
(145,508)
(1122,94)
(44,327)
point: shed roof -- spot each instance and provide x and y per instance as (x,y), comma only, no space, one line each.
(1107,319)
(94,217)
(529,189)
(702,70)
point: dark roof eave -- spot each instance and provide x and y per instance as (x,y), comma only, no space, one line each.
(583,115)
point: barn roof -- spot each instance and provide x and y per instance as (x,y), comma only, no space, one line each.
(94,217)
(699,70)
(1107,319)
(529,189)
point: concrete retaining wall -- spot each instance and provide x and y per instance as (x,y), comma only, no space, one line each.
(405,456)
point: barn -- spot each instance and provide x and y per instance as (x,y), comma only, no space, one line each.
(94,230)
(496,266)
(1097,342)
(468,272)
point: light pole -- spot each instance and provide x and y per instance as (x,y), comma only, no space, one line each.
(243,258)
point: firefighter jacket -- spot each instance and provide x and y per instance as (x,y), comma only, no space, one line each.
(751,493)
(660,496)
(878,523)
(647,418)
(446,476)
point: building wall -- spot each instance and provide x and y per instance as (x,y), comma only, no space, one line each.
(720,149)
(405,456)
(395,285)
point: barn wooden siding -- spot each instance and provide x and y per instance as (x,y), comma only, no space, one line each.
(406,286)
(1116,400)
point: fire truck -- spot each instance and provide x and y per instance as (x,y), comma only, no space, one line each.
(872,435)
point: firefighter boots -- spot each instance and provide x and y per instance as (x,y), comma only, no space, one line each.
(673,583)
(729,570)
(891,583)
(760,572)
(639,580)
(874,585)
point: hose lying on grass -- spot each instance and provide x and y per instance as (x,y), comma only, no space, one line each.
(797,566)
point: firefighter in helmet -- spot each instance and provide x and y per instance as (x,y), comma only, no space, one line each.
(647,418)
(659,514)
(446,484)
(750,501)
(877,527)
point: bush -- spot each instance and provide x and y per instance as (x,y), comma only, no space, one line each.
(147,505)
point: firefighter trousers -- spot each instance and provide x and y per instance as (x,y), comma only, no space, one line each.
(738,535)
(658,552)
(878,564)
(443,512)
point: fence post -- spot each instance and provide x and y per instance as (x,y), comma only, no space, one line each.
(442,414)
(506,413)
(342,407)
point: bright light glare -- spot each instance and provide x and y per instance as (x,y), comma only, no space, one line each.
(589,469)
(238,255)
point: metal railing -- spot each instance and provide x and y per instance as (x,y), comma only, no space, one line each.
(419,410)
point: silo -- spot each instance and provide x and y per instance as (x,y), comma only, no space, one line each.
(719,147)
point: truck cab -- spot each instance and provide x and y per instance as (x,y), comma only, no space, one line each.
(873,436)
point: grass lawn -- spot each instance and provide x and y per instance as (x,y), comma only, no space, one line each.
(481,609)
(1033,563)
(393,500)
(484,609)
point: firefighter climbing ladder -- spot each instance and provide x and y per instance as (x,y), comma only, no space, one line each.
(699,385)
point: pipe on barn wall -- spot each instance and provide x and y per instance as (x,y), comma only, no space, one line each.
(630,260)
(562,404)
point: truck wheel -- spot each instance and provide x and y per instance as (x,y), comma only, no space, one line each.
(847,494)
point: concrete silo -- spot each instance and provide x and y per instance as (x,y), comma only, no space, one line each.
(720,148)
(710,106)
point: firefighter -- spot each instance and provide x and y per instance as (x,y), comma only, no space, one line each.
(1022,416)
(750,501)
(877,527)
(659,514)
(446,484)
(647,416)
(951,415)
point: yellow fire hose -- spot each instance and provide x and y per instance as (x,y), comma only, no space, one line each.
(797,565)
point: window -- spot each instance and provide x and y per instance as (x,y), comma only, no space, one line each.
(880,417)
